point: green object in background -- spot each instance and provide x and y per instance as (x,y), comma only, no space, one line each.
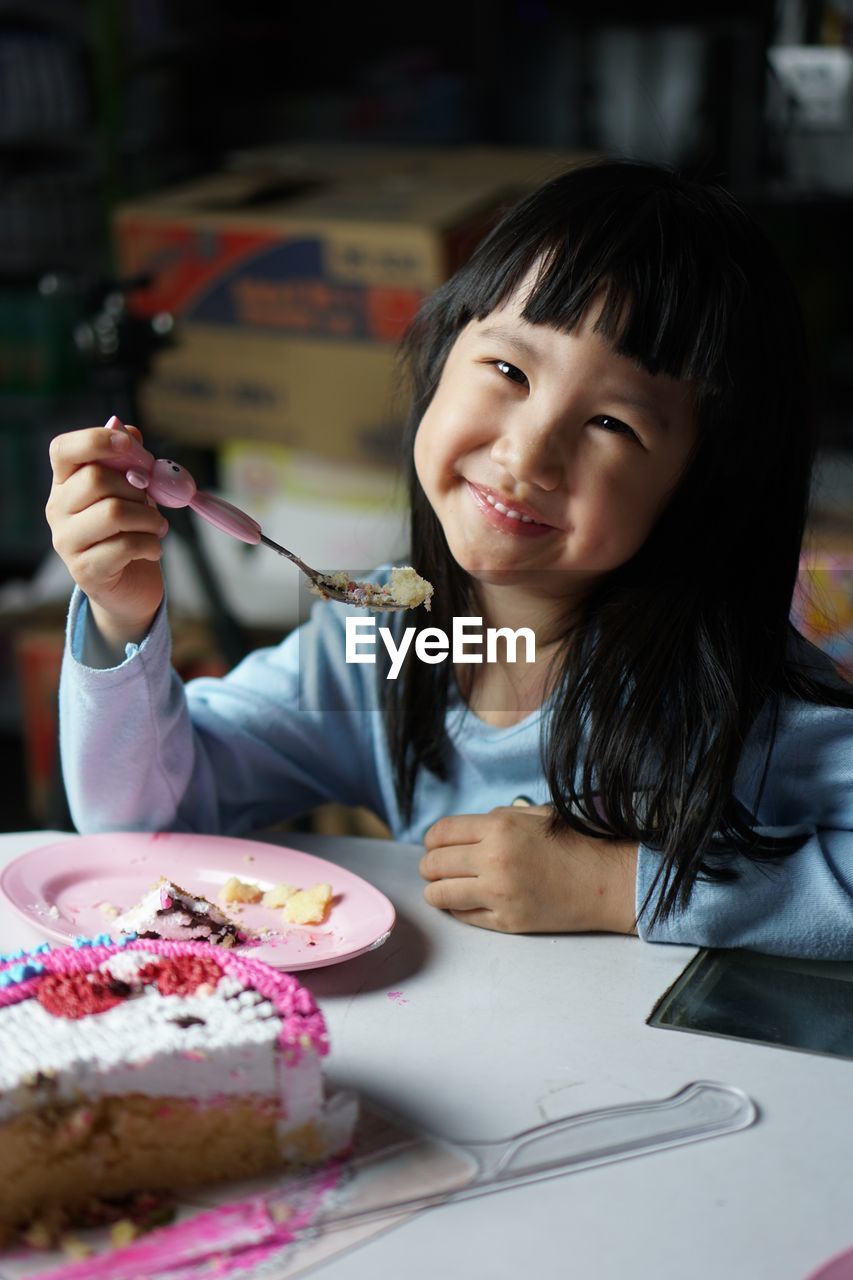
(38,355)
(26,427)
(40,370)
(15,467)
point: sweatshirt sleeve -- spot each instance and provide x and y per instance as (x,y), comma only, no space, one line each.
(800,905)
(289,728)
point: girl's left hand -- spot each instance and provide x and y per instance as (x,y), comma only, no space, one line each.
(501,870)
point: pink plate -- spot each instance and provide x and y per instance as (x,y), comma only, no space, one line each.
(62,889)
(838,1268)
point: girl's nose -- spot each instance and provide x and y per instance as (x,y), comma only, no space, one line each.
(530,457)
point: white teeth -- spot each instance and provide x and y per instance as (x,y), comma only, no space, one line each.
(508,511)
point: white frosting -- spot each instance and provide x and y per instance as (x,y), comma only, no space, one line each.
(138,1046)
(125,965)
(148,915)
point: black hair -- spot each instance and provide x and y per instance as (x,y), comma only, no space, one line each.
(673,656)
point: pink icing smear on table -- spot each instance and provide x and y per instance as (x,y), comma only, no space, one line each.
(218,1242)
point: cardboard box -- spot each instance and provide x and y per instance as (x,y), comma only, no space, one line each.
(292,277)
(256,474)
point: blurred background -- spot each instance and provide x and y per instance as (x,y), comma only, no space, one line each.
(216,220)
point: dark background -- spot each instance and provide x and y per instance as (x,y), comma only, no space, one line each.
(104,100)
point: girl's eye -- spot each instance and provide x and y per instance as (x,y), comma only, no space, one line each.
(511,372)
(616,426)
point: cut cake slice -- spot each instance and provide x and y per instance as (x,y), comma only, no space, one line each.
(169,911)
(153,1065)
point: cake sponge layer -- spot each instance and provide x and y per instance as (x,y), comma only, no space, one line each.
(66,1155)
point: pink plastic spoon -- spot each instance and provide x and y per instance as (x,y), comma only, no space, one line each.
(171,485)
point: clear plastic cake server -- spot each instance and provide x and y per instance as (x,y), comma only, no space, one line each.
(172,486)
(394,1172)
(395,1180)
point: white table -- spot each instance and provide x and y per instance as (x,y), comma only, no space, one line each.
(493,1034)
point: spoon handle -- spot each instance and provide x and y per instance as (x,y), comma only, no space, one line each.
(226,517)
(172,486)
(313,574)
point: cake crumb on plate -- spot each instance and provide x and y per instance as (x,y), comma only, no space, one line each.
(236,890)
(308,906)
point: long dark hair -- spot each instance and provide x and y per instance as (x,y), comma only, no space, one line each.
(673,656)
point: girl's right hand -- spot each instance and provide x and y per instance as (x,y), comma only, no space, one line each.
(106,532)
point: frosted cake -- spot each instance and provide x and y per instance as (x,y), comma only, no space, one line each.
(168,911)
(153,1065)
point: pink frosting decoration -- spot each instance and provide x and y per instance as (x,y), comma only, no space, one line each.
(302,1023)
(218,1242)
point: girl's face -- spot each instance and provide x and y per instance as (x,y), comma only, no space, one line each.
(546,456)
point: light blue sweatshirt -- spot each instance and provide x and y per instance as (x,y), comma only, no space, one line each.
(296,725)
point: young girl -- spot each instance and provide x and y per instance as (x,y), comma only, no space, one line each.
(610,444)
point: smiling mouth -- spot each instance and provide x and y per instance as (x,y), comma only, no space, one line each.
(508,516)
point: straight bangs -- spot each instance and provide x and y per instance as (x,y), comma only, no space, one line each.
(660,265)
